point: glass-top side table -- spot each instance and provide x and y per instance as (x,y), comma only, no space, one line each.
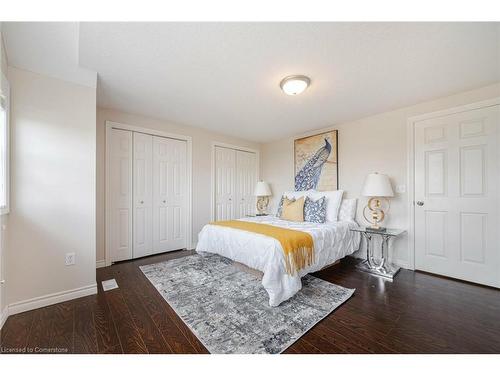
(378,267)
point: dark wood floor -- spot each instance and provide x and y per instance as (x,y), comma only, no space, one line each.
(417,313)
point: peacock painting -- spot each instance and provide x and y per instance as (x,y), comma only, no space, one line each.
(316,162)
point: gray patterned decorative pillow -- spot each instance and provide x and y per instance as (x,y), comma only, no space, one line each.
(315,211)
(280,206)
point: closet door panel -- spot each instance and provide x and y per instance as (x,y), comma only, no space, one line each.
(120,195)
(245,183)
(169,194)
(225,183)
(143,195)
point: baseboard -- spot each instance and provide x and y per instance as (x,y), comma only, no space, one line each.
(51,299)
(4,315)
(193,245)
(100,263)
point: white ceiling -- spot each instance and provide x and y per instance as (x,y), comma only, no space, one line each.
(49,48)
(225,76)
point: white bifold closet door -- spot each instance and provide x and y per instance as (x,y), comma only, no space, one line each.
(143,195)
(120,195)
(225,183)
(169,194)
(147,193)
(235,177)
(246,177)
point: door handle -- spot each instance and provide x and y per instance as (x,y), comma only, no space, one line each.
(164,201)
(420,203)
(141,202)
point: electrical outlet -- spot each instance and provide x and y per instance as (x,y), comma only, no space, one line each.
(70,259)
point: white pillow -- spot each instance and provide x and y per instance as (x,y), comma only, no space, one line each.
(347,210)
(333,199)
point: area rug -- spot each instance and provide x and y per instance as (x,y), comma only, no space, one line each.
(228,309)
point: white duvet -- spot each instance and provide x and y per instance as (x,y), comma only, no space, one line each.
(332,241)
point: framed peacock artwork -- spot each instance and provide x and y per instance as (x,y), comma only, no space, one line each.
(316,162)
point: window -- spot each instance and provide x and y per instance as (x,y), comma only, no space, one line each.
(4,145)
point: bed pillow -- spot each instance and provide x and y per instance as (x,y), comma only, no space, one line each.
(292,195)
(293,210)
(347,211)
(279,212)
(315,211)
(333,198)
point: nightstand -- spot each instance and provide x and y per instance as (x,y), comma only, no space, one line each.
(378,267)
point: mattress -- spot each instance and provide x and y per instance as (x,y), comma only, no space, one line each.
(332,241)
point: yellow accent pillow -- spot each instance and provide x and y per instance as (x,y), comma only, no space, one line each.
(293,210)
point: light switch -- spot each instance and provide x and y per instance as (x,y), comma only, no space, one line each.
(401,189)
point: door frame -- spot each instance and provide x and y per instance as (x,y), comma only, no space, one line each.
(212,169)
(411,162)
(116,125)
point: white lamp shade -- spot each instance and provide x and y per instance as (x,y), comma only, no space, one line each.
(377,185)
(262,189)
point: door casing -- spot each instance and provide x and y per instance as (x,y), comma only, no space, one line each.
(189,220)
(411,162)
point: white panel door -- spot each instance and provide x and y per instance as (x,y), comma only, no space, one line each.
(120,195)
(246,177)
(143,195)
(169,194)
(457,178)
(225,183)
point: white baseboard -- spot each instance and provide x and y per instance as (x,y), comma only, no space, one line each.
(193,245)
(4,315)
(50,299)
(100,263)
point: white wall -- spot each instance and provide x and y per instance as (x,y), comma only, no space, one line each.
(52,186)
(3,218)
(202,153)
(375,143)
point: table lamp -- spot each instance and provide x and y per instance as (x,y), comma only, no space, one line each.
(378,187)
(262,192)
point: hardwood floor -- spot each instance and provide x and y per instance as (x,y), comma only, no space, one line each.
(417,313)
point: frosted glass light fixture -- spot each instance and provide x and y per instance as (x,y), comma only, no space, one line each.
(294,85)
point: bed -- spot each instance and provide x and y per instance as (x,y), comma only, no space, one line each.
(332,241)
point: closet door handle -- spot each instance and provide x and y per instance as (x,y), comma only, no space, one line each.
(141,202)
(164,201)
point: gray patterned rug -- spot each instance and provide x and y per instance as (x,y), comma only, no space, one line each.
(228,309)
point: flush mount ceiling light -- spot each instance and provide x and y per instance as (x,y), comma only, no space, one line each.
(294,85)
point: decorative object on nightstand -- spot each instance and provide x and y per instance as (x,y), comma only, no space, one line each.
(262,192)
(381,267)
(378,187)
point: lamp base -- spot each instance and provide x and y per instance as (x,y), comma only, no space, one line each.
(262,203)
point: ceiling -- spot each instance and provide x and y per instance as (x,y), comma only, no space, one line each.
(225,76)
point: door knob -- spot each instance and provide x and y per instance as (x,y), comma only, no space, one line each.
(142,202)
(164,201)
(420,203)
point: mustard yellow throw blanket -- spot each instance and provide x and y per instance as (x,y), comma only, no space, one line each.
(298,247)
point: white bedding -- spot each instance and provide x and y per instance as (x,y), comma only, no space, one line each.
(332,241)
